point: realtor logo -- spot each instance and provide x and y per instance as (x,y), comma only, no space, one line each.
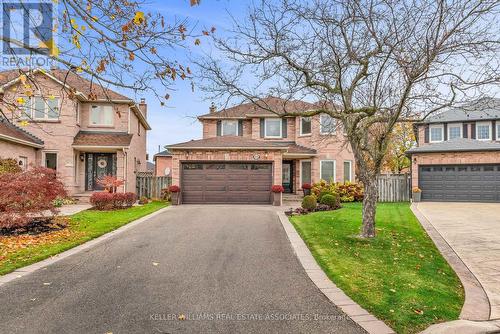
(28,28)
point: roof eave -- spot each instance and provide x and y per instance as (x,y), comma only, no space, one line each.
(227,148)
(20,141)
(453,151)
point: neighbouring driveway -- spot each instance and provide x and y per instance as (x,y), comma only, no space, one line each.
(227,269)
(473,231)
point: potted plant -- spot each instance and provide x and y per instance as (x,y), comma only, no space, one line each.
(174,194)
(306,189)
(277,190)
(416,194)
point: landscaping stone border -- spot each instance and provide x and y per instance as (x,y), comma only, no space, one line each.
(359,315)
(476,305)
(89,244)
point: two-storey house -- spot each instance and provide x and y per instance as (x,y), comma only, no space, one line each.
(458,154)
(73,125)
(246,149)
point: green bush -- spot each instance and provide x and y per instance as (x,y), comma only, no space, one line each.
(309,202)
(332,200)
(324,193)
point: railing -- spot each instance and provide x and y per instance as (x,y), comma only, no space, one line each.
(394,187)
(151,186)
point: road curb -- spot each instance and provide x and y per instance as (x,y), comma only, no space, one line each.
(476,305)
(75,250)
(359,315)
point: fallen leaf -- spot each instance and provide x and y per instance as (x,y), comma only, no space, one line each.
(417,311)
(47,283)
(155,263)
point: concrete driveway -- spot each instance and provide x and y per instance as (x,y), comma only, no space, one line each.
(473,231)
(224,269)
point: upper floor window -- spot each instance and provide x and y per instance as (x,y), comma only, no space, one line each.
(42,108)
(229,128)
(305,126)
(483,130)
(328,124)
(454,131)
(436,133)
(273,128)
(101,115)
(498,130)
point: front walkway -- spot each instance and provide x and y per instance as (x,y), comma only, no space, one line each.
(472,230)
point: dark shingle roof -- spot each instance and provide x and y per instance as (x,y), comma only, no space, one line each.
(165,153)
(7,129)
(150,166)
(482,109)
(457,145)
(94,138)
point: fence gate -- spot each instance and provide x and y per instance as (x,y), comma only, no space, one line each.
(394,187)
(150,186)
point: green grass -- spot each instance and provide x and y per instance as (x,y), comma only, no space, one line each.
(399,276)
(82,227)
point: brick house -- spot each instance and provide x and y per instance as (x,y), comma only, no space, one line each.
(75,126)
(457,157)
(163,163)
(246,149)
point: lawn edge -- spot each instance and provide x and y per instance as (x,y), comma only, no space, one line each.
(24,271)
(359,315)
(477,304)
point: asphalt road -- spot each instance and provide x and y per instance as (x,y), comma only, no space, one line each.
(224,269)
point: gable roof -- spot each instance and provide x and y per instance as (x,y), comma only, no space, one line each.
(249,109)
(102,139)
(165,153)
(457,145)
(487,108)
(13,133)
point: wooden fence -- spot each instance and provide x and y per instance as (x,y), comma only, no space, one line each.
(150,186)
(394,187)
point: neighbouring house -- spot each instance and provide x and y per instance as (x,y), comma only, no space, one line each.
(458,154)
(246,149)
(163,163)
(77,127)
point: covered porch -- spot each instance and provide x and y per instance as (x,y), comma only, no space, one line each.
(297,168)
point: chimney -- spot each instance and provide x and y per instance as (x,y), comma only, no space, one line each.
(213,108)
(143,107)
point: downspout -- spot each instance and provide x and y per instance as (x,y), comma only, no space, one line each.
(125,164)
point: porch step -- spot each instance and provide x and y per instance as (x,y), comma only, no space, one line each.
(287,198)
(83,198)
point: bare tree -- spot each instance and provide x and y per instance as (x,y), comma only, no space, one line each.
(369,63)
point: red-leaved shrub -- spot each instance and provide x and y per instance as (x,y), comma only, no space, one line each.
(174,189)
(306,186)
(27,195)
(110,183)
(109,201)
(277,188)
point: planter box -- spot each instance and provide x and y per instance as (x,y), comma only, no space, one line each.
(416,197)
(277,199)
(175,198)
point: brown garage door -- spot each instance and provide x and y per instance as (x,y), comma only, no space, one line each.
(214,182)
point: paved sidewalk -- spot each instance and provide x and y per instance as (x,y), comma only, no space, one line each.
(71,209)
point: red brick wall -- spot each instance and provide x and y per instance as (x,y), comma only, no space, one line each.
(162,162)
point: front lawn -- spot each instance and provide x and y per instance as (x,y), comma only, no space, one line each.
(399,276)
(22,250)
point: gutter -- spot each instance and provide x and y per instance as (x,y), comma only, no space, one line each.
(227,148)
(20,141)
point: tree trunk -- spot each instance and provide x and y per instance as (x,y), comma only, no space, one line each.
(369,207)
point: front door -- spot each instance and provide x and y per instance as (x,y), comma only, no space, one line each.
(98,165)
(287,180)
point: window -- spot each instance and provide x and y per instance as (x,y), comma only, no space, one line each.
(229,128)
(328,124)
(192,166)
(498,130)
(454,131)
(40,108)
(101,115)
(347,171)
(51,160)
(327,170)
(272,127)
(305,126)
(483,131)
(436,132)
(23,163)
(305,172)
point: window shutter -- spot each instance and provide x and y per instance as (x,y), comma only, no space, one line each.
(285,126)
(445,131)
(494,130)
(465,130)
(426,130)
(240,127)
(473,130)
(219,126)
(262,124)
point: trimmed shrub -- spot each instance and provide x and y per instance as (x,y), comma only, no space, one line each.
(332,200)
(309,202)
(109,201)
(323,194)
(28,195)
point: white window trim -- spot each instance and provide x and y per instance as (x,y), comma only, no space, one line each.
(498,128)
(321,125)
(228,121)
(103,125)
(334,170)
(490,130)
(301,179)
(350,170)
(301,132)
(430,133)
(280,127)
(46,118)
(452,125)
(44,162)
